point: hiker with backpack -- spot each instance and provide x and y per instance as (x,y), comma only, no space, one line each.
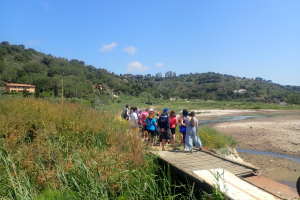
(134,118)
(125,114)
(151,124)
(164,125)
(143,122)
(173,123)
(192,133)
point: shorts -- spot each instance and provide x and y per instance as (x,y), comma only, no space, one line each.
(173,130)
(151,132)
(167,135)
(183,134)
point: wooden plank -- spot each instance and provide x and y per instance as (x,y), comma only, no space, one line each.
(235,187)
(205,163)
(189,159)
(208,166)
(211,167)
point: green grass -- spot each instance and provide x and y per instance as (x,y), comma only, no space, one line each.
(212,139)
(52,150)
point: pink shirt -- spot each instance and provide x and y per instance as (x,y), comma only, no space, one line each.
(144,115)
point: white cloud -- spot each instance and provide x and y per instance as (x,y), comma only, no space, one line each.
(33,42)
(136,67)
(108,47)
(159,65)
(130,50)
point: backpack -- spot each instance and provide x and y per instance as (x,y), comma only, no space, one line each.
(124,114)
(192,122)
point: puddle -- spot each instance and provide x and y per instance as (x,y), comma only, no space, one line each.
(268,153)
(226,119)
(291,184)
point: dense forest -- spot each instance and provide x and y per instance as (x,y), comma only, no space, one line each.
(47,73)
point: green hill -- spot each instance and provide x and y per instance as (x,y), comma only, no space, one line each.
(21,65)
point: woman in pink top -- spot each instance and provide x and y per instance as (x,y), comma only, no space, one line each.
(173,123)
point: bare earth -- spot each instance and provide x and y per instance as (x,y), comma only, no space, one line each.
(276,131)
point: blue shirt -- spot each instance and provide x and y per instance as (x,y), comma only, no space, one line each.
(150,123)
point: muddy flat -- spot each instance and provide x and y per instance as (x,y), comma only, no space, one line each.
(276,131)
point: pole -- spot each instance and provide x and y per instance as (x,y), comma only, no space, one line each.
(62,90)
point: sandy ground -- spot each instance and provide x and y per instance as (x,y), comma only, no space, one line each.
(277,132)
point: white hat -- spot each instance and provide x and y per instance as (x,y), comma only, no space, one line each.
(181,112)
(151,109)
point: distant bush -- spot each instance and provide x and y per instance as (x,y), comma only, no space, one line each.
(20,58)
(293,99)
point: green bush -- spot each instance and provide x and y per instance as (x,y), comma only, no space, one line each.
(211,138)
(293,99)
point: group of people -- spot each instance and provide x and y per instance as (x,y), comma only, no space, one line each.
(164,126)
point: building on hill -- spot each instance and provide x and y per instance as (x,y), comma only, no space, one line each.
(240,91)
(16,87)
(99,87)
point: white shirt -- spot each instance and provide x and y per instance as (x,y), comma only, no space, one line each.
(133,119)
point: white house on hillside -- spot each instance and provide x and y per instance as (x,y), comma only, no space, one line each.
(240,91)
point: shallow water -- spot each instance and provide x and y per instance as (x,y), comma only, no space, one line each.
(268,153)
(291,184)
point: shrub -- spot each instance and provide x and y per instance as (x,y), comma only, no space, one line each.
(47,139)
(211,138)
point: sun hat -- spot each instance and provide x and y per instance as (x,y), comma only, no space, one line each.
(166,109)
(151,109)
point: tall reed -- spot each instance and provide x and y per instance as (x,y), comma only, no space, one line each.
(69,151)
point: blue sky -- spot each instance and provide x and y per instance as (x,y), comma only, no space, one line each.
(242,38)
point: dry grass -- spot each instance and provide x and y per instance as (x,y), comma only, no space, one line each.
(43,137)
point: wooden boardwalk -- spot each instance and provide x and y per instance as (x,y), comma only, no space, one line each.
(188,162)
(186,165)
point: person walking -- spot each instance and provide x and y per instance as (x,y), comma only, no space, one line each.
(144,124)
(158,132)
(182,128)
(126,112)
(173,124)
(164,125)
(134,118)
(151,124)
(192,133)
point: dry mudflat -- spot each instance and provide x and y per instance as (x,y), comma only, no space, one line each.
(274,131)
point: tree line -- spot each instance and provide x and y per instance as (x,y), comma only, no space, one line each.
(47,73)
